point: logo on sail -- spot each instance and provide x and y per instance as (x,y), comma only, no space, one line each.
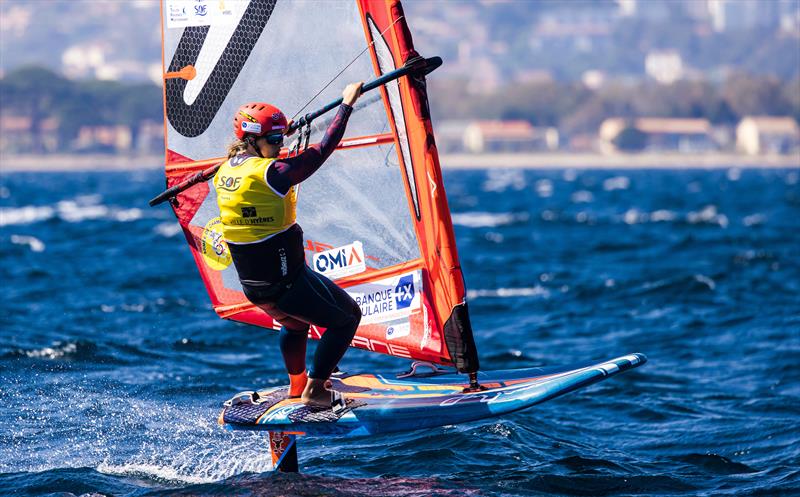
(213,247)
(192,119)
(404,292)
(389,299)
(341,261)
(398,330)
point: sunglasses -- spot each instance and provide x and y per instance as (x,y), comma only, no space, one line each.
(276,139)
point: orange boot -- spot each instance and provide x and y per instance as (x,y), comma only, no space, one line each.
(297,383)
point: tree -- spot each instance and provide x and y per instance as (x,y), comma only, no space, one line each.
(750,95)
(35,92)
(631,139)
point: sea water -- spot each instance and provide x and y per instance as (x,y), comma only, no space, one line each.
(113,365)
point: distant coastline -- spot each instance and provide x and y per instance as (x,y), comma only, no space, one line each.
(565,160)
(78,162)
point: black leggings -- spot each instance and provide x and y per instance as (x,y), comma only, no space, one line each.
(314,299)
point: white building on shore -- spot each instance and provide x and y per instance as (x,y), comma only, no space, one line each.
(659,134)
(758,135)
(508,137)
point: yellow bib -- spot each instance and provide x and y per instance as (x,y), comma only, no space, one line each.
(250,210)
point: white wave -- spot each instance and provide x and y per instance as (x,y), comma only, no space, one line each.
(662,215)
(34,243)
(734,174)
(754,220)
(125,307)
(570,175)
(119,434)
(500,180)
(164,473)
(81,208)
(167,229)
(56,351)
(792,178)
(25,215)
(193,465)
(494,237)
(616,183)
(700,278)
(535,291)
(548,215)
(635,216)
(127,215)
(74,212)
(488,219)
(4,192)
(544,188)
(581,197)
(133,307)
(708,215)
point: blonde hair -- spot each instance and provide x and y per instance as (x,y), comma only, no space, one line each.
(236,147)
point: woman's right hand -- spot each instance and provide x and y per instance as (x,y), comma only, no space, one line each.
(351,93)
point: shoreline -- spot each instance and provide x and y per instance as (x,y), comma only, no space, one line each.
(66,162)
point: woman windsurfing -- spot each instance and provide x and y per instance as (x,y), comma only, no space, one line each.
(257,197)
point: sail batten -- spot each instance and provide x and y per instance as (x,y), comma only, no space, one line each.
(375,215)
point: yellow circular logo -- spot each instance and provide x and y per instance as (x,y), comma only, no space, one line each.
(215,250)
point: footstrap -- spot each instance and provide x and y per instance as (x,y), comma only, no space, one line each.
(338,402)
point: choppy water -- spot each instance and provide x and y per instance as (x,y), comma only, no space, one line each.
(113,365)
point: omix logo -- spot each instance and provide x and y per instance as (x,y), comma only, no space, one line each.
(337,259)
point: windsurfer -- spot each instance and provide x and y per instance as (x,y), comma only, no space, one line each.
(257,197)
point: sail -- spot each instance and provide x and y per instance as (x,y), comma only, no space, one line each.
(375,216)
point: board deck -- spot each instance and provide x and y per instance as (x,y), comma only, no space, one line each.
(383,403)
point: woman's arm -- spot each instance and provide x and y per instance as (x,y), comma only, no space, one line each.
(285,173)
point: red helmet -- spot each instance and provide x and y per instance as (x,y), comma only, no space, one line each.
(258,119)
